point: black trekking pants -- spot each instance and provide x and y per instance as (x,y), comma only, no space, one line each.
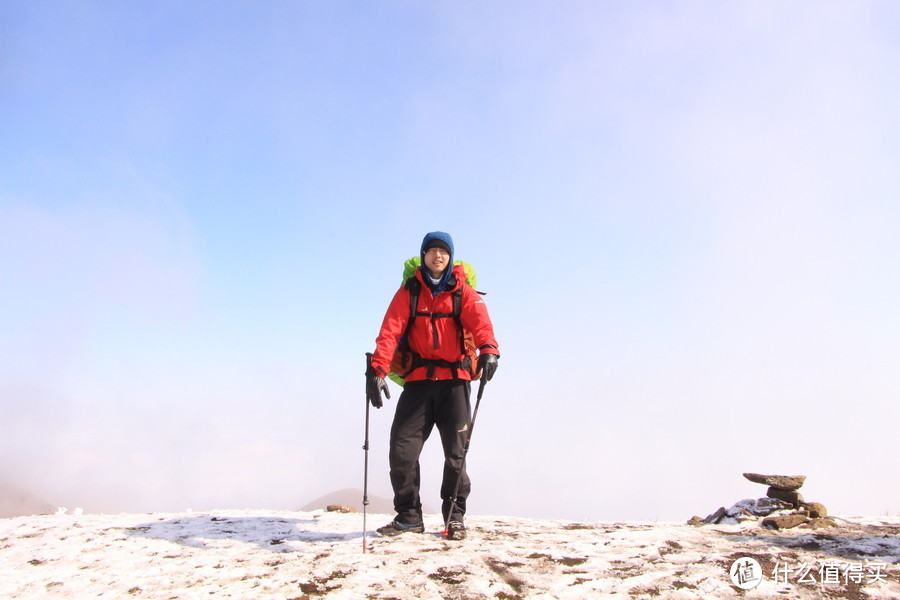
(422,405)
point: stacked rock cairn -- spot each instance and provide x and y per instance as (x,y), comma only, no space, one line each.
(782,508)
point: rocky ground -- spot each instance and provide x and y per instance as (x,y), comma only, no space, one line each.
(288,555)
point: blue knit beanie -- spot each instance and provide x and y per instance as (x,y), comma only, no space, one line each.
(442,240)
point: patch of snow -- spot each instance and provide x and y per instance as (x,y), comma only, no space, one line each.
(278,554)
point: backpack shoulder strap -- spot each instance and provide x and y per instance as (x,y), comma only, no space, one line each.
(412,284)
(414,287)
(457,302)
(457,311)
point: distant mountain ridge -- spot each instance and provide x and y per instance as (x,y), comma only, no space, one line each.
(353,498)
(18,502)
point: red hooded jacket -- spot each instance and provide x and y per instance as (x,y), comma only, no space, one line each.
(473,315)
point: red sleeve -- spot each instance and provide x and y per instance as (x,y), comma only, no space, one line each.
(475,318)
(392,328)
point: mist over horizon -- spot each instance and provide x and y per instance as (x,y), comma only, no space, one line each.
(684,215)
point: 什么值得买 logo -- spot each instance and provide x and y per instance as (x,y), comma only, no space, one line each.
(746,573)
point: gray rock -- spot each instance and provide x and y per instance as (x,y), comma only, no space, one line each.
(716,516)
(740,509)
(763,507)
(788,483)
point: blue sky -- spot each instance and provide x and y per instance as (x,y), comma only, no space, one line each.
(684,215)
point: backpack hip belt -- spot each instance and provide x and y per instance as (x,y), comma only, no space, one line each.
(431,363)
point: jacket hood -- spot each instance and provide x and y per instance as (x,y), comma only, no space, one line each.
(448,272)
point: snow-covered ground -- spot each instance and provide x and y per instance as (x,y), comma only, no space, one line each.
(255,554)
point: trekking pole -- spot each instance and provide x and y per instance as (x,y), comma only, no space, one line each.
(462,467)
(365,478)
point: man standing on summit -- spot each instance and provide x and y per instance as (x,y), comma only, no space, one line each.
(438,386)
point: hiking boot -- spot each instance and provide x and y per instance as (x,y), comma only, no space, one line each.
(394,528)
(456,530)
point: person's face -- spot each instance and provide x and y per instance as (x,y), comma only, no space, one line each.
(436,260)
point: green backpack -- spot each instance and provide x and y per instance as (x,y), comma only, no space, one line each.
(404,360)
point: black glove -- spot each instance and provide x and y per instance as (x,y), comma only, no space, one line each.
(375,384)
(487,364)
